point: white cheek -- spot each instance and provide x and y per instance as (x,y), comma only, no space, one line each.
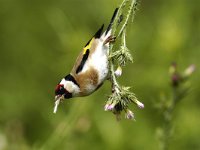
(72,88)
(63,81)
(68,86)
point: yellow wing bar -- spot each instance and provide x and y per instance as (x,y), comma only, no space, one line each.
(88,46)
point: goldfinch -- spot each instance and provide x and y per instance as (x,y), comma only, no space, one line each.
(91,67)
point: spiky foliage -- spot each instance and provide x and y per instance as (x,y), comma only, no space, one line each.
(121,96)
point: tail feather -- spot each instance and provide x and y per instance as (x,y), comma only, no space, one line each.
(111,21)
(96,35)
(99,32)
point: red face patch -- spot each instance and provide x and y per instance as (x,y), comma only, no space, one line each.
(59,89)
(58,86)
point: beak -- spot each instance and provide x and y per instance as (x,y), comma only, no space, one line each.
(59,97)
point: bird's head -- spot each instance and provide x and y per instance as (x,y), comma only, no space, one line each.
(62,92)
(67,88)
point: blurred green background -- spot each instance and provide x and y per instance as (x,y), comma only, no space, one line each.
(39,42)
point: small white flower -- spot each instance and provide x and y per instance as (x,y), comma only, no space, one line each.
(118,72)
(129,114)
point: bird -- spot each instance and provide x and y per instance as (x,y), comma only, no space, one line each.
(91,67)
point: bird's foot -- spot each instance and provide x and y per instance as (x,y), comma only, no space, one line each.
(110,39)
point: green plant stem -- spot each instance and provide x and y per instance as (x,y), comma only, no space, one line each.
(113,79)
(167,122)
(179,91)
(121,97)
(127,16)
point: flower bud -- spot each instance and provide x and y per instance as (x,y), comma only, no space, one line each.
(188,71)
(109,107)
(129,114)
(140,105)
(118,72)
(173,68)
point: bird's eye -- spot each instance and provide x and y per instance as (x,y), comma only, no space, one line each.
(60,89)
